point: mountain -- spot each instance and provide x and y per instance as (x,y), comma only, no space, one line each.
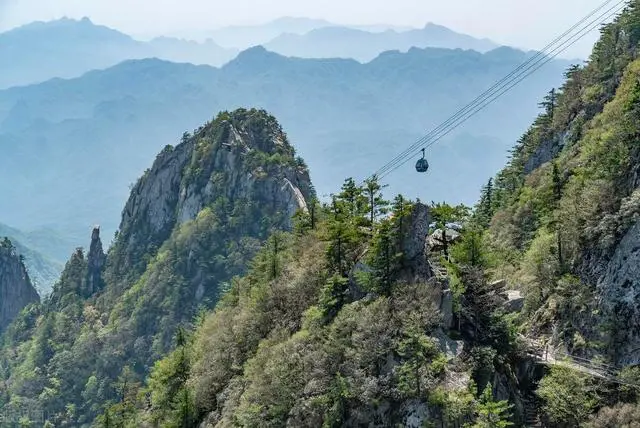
(68,48)
(525,315)
(562,220)
(232,297)
(66,141)
(43,254)
(344,42)
(245,36)
(566,207)
(193,221)
(16,290)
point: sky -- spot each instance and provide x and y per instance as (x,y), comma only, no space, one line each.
(521,23)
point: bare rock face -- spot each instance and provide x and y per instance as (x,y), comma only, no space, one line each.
(413,247)
(16,290)
(619,292)
(547,151)
(241,157)
(96,260)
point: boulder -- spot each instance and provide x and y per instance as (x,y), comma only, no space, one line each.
(515,301)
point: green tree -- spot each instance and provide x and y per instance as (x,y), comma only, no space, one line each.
(400,209)
(485,209)
(376,204)
(470,250)
(549,103)
(416,375)
(333,296)
(385,257)
(569,396)
(443,213)
(171,401)
(353,198)
(491,413)
(275,247)
(345,226)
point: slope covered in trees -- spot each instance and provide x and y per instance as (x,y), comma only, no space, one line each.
(193,221)
(341,323)
(366,312)
(562,218)
(559,224)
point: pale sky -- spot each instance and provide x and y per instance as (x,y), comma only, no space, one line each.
(521,23)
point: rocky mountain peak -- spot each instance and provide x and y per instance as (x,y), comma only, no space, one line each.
(16,290)
(241,159)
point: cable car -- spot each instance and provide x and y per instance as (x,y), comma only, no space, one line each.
(422,165)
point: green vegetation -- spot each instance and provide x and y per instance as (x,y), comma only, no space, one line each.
(555,215)
(230,315)
(330,328)
(76,355)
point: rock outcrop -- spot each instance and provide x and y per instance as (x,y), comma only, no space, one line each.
(16,290)
(414,249)
(96,260)
(240,156)
(619,293)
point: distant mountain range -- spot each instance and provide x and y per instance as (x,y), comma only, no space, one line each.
(342,42)
(68,48)
(245,36)
(69,149)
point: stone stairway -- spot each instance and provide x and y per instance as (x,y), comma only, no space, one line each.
(438,269)
(531,412)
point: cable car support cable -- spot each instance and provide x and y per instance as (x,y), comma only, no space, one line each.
(506,83)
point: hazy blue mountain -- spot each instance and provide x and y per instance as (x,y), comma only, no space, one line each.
(68,48)
(71,148)
(244,36)
(344,42)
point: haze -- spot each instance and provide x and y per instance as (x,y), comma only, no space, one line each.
(526,24)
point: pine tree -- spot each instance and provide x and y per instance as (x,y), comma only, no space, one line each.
(401,209)
(492,414)
(470,251)
(376,204)
(355,202)
(334,296)
(276,243)
(383,259)
(549,103)
(485,207)
(345,227)
(106,420)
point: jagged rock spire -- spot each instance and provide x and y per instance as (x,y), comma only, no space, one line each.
(96,260)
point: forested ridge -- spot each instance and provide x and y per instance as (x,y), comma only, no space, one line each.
(234,297)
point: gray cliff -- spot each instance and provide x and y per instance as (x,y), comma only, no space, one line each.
(16,290)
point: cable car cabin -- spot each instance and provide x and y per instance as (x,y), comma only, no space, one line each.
(422,165)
